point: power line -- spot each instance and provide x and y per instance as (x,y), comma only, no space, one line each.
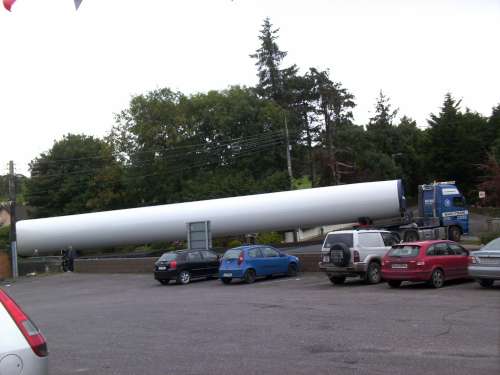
(265,141)
(168,149)
(170,172)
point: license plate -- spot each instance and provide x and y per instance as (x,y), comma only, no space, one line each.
(326,259)
(399,266)
(162,268)
(227,274)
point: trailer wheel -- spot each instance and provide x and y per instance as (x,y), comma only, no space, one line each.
(454,233)
(411,236)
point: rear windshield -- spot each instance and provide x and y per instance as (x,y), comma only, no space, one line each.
(404,251)
(345,238)
(232,254)
(167,257)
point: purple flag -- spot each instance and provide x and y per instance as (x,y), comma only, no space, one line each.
(77,4)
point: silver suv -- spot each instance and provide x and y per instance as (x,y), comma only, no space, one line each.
(355,253)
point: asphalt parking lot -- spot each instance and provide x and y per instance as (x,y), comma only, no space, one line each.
(129,324)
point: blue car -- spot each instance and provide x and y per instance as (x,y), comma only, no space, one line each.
(249,262)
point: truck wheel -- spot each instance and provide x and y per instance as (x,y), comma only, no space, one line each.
(454,233)
(373,274)
(337,280)
(411,236)
(486,283)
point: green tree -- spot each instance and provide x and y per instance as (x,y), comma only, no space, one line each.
(335,105)
(457,144)
(177,148)
(269,58)
(380,127)
(78,174)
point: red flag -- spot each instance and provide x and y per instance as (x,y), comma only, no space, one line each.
(8,4)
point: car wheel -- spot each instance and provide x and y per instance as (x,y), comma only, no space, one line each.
(183,278)
(249,276)
(394,283)
(486,283)
(437,279)
(226,280)
(292,270)
(337,280)
(164,282)
(373,274)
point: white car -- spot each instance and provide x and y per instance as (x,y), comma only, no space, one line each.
(23,350)
(355,253)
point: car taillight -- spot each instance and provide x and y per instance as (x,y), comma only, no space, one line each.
(240,259)
(420,263)
(355,257)
(173,264)
(472,260)
(29,330)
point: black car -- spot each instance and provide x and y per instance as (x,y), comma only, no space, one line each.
(184,265)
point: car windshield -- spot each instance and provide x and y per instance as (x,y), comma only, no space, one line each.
(167,257)
(232,254)
(404,251)
(493,245)
(334,238)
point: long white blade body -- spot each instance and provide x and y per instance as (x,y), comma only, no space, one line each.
(227,216)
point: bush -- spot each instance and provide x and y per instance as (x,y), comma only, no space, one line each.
(234,243)
(488,236)
(269,238)
(4,237)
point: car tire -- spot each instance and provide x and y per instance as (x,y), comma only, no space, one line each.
(437,279)
(373,273)
(184,277)
(486,283)
(454,233)
(394,283)
(292,270)
(226,280)
(345,258)
(164,282)
(249,276)
(337,280)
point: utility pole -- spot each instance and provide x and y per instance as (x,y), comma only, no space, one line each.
(288,157)
(12,198)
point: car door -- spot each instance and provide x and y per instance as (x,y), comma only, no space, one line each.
(440,258)
(371,244)
(210,262)
(257,261)
(195,264)
(272,260)
(460,260)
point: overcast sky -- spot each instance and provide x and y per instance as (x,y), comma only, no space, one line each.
(65,71)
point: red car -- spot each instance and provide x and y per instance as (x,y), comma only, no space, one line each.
(430,261)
